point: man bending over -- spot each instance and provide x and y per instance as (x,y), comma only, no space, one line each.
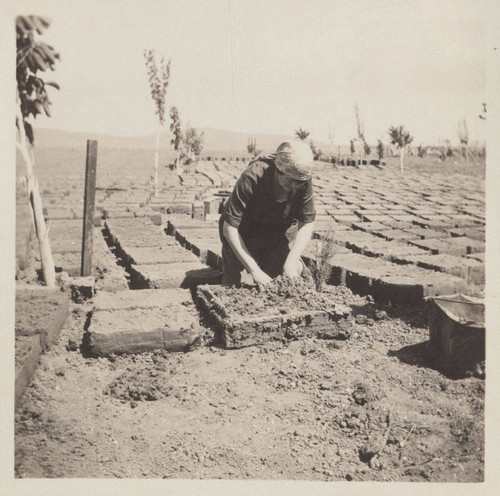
(272,193)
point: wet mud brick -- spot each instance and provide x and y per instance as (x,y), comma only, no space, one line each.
(39,317)
(179,222)
(204,243)
(65,229)
(211,205)
(138,321)
(468,245)
(477,234)
(66,245)
(382,218)
(55,213)
(110,276)
(146,298)
(326,227)
(395,234)
(422,233)
(480,257)
(390,250)
(116,212)
(342,238)
(27,355)
(136,232)
(158,255)
(368,227)
(238,330)
(68,262)
(466,221)
(451,246)
(173,275)
(145,240)
(467,268)
(41,312)
(178,206)
(391,282)
(113,280)
(346,219)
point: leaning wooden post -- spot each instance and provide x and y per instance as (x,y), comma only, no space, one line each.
(88,208)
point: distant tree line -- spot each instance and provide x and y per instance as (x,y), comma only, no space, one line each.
(401,139)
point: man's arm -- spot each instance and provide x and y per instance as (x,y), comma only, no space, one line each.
(293,266)
(239,248)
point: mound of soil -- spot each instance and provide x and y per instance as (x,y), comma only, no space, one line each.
(140,385)
(286,308)
(150,380)
(282,296)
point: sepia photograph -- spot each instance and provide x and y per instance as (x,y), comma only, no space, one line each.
(248,242)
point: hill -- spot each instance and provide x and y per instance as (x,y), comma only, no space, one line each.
(215,140)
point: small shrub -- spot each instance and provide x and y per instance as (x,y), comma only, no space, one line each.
(322,269)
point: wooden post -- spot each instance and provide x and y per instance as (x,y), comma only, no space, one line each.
(88,207)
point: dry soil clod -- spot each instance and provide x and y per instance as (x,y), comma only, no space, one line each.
(375,444)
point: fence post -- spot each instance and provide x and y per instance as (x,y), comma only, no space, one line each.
(88,207)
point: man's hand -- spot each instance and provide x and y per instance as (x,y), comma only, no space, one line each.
(292,267)
(260,278)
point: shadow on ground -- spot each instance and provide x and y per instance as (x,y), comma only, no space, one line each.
(412,315)
(420,355)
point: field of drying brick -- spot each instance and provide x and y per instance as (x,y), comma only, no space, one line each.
(295,407)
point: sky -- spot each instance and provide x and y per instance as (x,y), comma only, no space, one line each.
(271,67)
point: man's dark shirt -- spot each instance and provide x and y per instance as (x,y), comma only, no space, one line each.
(252,208)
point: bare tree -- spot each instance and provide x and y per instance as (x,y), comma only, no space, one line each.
(361,134)
(33,56)
(482,115)
(477,150)
(401,138)
(330,141)
(463,136)
(317,153)
(380,150)
(158,81)
(252,145)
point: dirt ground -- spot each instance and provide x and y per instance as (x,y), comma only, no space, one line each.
(370,408)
